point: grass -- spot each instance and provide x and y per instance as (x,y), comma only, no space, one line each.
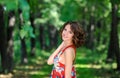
(89,64)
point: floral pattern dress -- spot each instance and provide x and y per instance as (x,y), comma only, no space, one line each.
(58,70)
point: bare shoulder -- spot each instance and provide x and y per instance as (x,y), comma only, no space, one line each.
(70,50)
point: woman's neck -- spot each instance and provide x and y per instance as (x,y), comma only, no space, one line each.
(68,43)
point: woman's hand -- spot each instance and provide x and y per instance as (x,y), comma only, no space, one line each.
(50,59)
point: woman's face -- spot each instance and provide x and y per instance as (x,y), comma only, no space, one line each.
(67,33)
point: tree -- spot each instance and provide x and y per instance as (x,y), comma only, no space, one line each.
(3,41)
(7,19)
(113,49)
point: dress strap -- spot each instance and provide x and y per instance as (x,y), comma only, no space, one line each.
(62,51)
(68,47)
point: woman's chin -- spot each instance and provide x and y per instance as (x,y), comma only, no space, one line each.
(63,39)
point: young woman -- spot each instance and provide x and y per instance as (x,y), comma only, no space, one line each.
(63,57)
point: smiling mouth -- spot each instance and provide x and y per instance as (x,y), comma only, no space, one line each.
(64,36)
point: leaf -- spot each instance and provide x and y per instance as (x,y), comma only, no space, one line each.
(26,31)
(23,33)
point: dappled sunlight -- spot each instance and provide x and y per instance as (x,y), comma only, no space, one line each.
(109,66)
(9,75)
(25,67)
(91,64)
(88,66)
(85,66)
(30,70)
(33,72)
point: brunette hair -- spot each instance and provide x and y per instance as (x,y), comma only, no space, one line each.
(79,34)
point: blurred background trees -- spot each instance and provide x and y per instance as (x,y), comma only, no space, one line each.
(29,24)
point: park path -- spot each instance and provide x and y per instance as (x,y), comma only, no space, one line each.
(30,70)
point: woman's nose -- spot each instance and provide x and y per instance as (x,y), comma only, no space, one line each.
(66,32)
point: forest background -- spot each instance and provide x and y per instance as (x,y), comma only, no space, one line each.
(29,33)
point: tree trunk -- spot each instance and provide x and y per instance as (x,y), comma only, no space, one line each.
(23,52)
(53,36)
(10,51)
(42,37)
(32,53)
(22,40)
(91,39)
(3,41)
(99,26)
(114,42)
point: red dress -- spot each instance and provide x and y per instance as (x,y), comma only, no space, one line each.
(58,70)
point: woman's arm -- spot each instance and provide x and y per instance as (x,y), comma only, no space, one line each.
(69,56)
(50,59)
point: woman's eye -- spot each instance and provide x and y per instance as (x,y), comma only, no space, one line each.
(65,29)
(70,32)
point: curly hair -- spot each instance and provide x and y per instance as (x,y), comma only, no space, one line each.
(79,34)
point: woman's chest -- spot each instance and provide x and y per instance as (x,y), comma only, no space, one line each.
(60,58)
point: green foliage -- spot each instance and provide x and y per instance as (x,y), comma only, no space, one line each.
(34,6)
(115,1)
(26,31)
(14,5)
(70,11)
(50,13)
(24,6)
(10,5)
